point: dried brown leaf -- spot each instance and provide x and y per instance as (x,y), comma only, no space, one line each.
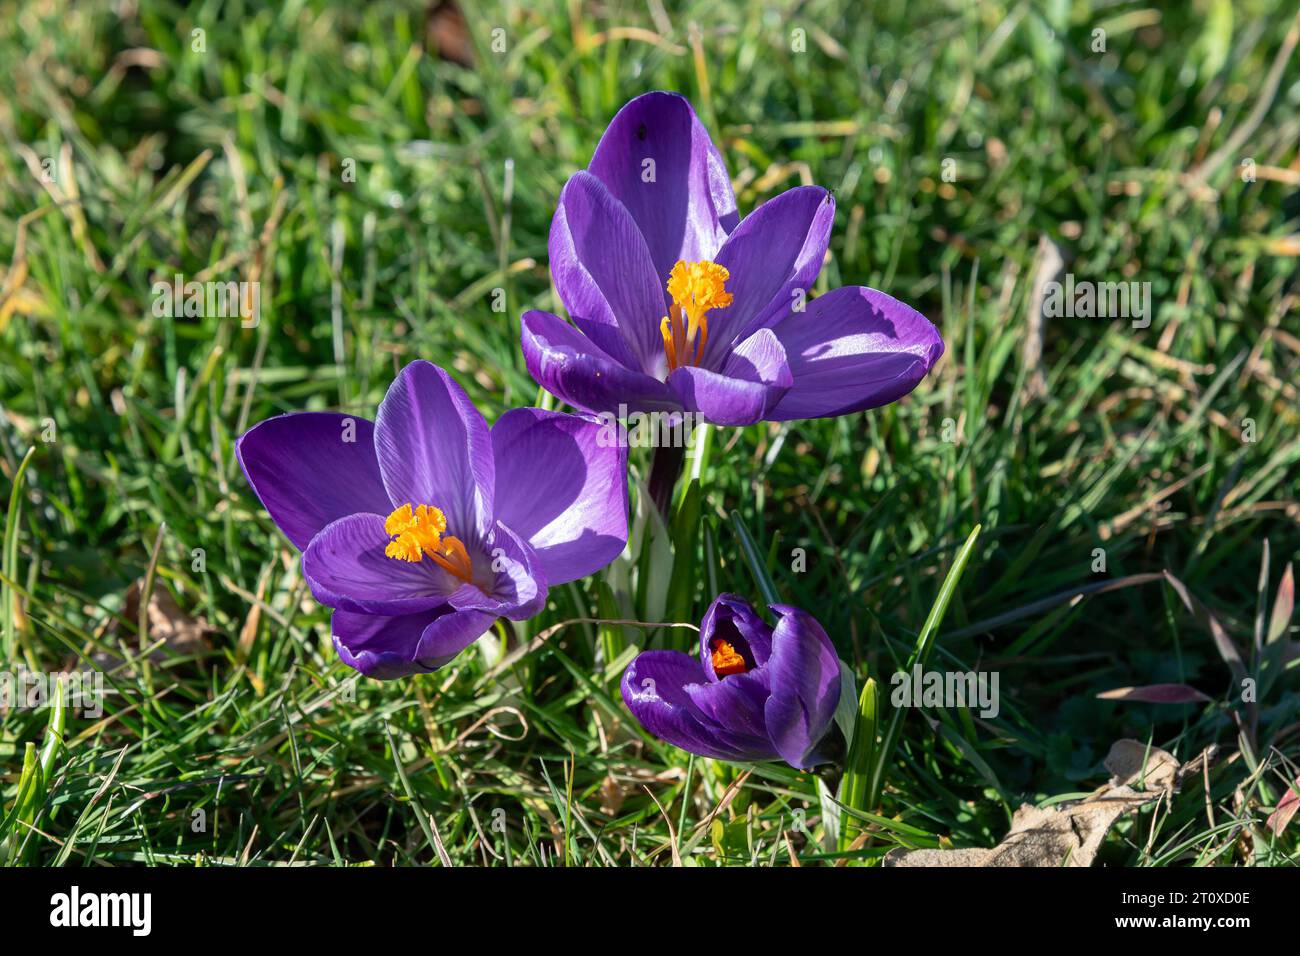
(172,632)
(1070,834)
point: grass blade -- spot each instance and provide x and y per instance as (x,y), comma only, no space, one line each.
(920,654)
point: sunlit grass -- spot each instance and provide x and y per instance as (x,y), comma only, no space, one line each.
(382,195)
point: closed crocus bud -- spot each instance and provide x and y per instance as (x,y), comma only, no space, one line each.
(754,692)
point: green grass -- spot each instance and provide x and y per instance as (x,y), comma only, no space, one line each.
(255,745)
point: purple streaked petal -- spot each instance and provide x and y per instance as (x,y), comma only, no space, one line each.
(434,448)
(378,646)
(604,274)
(450,634)
(391,647)
(569,365)
(722,400)
(760,358)
(734,619)
(751,384)
(508,579)
(654,689)
(736,703)
(688,207)
(776,252)
(311,468)
(804,674)
(853,348)
(346,568)
(573,509)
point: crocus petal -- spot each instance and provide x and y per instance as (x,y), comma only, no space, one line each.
(311,468)
(682,199)
(804,674)
(561,485)
(379,646)
(654,689)
(572,368)
(508,579)
(434,448)
(450,634)
(604,274)
(775,253)
(853,348)
(730,617)
(751,384)
(346,568)
(391,647)
(736,703)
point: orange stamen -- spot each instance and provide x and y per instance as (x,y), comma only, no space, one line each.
(726,659)
(418,532)
(454,559)
(696,288)
(666,329)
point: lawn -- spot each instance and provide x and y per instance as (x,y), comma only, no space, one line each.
(388,172)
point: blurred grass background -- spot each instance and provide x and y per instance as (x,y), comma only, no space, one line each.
(382,168)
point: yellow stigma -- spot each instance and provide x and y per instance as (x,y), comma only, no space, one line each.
(696,287)
(418,532)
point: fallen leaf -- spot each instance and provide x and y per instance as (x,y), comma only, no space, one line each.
(448,33)
(179,633)
(1131,762)
(1070,834)
(612,795)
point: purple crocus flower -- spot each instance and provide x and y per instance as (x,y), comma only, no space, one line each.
(423,527)
(678,305)
(754,693)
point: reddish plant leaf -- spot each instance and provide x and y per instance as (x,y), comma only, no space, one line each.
(1283,607)
(1156,694)
(1222,640)
(1286,809)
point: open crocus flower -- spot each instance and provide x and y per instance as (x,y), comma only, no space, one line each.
(679,306)
(754,693)
(423,527)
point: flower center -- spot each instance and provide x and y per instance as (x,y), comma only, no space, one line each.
(696,287)
(726,659)
(418,532)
